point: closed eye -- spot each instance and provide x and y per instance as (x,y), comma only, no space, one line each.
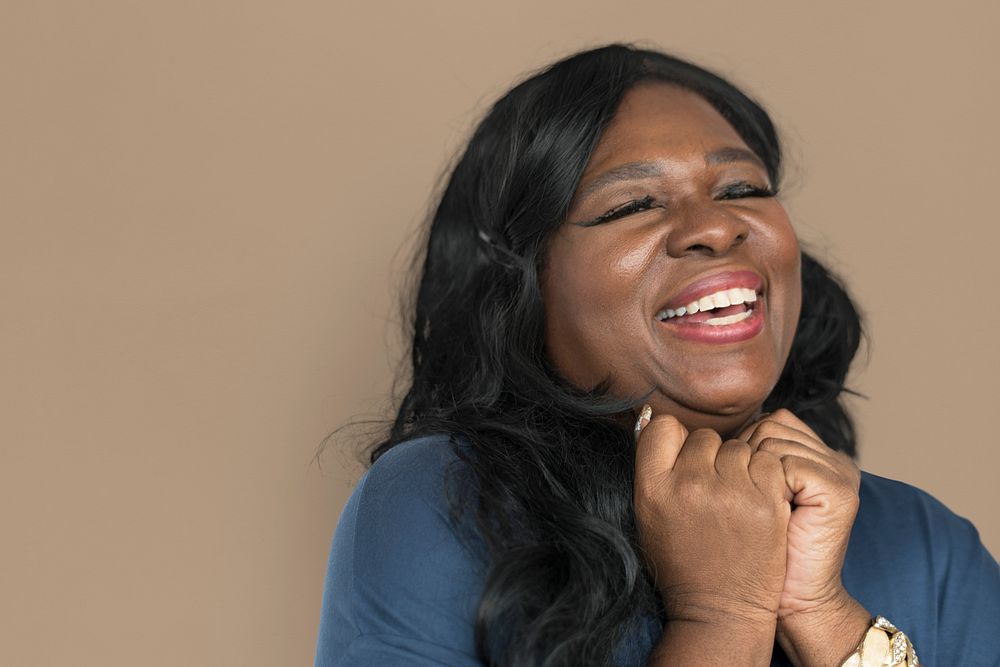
(745,190)
(628,208)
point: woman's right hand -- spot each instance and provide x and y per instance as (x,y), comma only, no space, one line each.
(712,519)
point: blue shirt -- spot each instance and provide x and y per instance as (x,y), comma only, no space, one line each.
(402,584)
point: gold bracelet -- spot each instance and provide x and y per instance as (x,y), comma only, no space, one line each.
(883,644)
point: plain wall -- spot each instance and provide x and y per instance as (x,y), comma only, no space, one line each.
(205,208)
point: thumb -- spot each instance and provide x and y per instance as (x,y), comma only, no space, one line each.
(658,445)
(811,483)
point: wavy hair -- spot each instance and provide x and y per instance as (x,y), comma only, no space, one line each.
(552,465)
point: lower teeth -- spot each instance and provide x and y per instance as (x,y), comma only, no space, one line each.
(729,319)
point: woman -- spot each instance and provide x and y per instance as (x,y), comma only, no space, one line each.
(623,441)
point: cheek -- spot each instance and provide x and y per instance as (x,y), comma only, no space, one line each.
(787,260)
(794,302)
(627,263)
(588,292)
(784,240)
(584,282)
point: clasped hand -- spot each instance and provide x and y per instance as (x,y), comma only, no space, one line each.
(747,531)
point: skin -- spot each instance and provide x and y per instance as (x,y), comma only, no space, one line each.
(603,285)
(715,481)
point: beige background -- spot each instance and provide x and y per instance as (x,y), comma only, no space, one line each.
(203,206)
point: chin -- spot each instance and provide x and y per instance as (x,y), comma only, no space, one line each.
(727,426)
(720,409)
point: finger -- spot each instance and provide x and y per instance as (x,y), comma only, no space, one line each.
(768,475)
(659,443)
(788,418)
(774,429)
(813,484)
(784,447)
(781,416)
(770,427)
(748,430)
(732,459)
(699,451)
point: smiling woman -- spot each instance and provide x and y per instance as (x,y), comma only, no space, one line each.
(623,440)
(691,218)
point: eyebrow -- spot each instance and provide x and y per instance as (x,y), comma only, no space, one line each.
(635,171)
(730,155)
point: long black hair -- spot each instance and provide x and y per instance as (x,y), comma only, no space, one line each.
(552,465)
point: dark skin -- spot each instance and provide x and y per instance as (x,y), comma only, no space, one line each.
(715,481)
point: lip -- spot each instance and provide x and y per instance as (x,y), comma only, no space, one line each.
(729,333)
(714,283)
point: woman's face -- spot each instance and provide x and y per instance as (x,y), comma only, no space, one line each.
(673,210)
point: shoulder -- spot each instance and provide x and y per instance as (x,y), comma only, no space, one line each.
(917,562)
(404,567)
(908,515)
(415,469)
(912,524)
(415,494)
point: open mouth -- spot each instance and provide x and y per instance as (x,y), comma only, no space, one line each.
(718,309)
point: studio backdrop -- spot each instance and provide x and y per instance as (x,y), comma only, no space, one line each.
(205,212)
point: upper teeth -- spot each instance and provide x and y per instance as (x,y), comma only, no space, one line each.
(721,299)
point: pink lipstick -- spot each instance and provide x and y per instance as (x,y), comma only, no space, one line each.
(721,308)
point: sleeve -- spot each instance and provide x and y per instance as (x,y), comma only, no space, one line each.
(968,584)
(402,583)
(924,567)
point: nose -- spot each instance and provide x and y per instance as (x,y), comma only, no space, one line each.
(709,229)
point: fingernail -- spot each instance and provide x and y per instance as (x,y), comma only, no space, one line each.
(644,416)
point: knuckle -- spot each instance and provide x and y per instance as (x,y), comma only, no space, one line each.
(767,427)
(769,445)
(764,457)
(735,448)
(766,430)
(766,462)
(782,414)
(706,434)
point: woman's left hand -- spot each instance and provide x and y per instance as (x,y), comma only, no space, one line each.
(825,483)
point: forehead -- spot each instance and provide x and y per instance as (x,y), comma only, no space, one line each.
(661,121)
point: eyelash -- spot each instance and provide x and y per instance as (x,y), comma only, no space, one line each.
(744,190)
(734,191)
(628,208)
